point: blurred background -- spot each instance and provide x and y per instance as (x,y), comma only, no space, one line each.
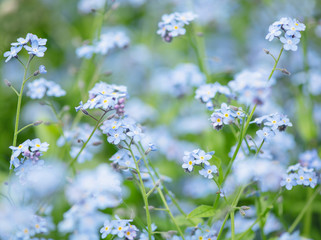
(230,33)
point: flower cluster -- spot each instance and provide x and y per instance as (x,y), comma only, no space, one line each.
(298,175)
(104,45)
(107,97)
(310,159)
(41,87)
(200,158)
(119,129)
(172,25)
(120,228)
(76,137)
(272,124)
(251,87)
(291,28)
(34,45)
(225,115)
(26,155)
(207,92)
(19,222)
(90,191)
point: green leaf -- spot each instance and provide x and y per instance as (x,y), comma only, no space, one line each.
(183,221)
(202,211)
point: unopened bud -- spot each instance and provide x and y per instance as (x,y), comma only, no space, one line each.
(285,71)
(80,140)
(47,123)
(266,51)
(245,208)
(172,232)
(97,143)
(242,212)
(111,116)
(36,73)
(84,111)
(37,123)
(7,83)
(200,34)
(248,137)
(108,73)
(234,108)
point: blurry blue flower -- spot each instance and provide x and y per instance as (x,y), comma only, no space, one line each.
(290,43)
(41,87)
(176,28)
(22,41)
(217,120)
(289,181)
(265,134)
(115,136)
(201,157)
(208,171)
(185,17)
(310,159)
(293,26)
(189,162)
(36,145)
(106,229)
(135,133)
(79,107)
(42,69)
(12,53)
(274,31)
(36,49)
(85,51)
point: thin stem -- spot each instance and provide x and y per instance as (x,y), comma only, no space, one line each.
(233,205)
(259,148)
(85,144)
(29,125)
(24,66)
(144,195)
(304,209)
(142,151)
(15,135)
(14,90)
(232,225)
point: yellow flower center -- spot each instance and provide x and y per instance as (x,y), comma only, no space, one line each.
(175,27)
(218,120)
(226,114)
(120,228)
(37,145)
(190,163)
(37,226)
(26,231)
(106,228)
(20,146)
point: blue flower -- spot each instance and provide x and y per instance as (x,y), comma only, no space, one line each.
(201,157)
(208,171)
(12,53)
(265,134)
(106,229)
(36,145)
(302,178)
(274,31)
(42,69)
(79,107)
(217,120)
(135,133)
(36,49)
(115,136)
(311,179)
(289,181)
(294,26)
(22,41)
(290,43)
(189,161)
(176,28)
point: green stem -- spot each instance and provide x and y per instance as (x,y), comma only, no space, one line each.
(261,222)
(144,195)
(259,148)
(244,130)
(233,205)
(232,225)
(21,129)
(70,164)
(304,209)
(142,151)
(15,135)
